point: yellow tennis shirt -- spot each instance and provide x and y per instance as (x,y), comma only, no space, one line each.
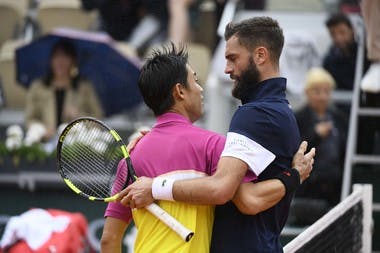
(155,236)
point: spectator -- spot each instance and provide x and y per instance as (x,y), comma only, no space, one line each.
(323,126)
(141,23)
(59,97)
(340,60)
(118,18)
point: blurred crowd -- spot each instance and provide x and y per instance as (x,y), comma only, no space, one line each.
(62,94)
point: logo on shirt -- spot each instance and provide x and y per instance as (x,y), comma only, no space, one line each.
(163,183)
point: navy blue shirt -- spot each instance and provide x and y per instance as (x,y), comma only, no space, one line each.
(265,118)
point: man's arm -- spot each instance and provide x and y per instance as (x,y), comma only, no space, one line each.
(218,188)
(253,198)
(112,237)
(214,190)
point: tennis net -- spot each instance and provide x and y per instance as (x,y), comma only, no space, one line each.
(345,228)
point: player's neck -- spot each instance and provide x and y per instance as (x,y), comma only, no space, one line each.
(269,73)
(179,110)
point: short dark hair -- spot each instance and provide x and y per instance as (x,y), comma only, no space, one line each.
(258,31)
(160,73)
(338,18)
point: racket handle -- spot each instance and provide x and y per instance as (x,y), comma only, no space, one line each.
(170,221)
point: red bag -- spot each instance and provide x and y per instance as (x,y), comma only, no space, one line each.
(72,240)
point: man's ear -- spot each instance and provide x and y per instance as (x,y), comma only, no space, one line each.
(178,91)
(261,55)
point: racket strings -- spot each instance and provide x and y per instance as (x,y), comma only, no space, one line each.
(81,158)
(89,159)
(99,179)
(90,176)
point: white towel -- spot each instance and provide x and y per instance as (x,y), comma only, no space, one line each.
(34,227)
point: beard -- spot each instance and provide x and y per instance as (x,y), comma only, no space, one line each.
(248,79)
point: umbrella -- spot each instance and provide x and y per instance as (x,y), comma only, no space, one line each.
(113,75)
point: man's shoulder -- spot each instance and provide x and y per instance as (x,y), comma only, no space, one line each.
(242,115)
(204,132)
(259,110)
(187,133)
(248,108)
(264,119)
(248,120)
(332,55)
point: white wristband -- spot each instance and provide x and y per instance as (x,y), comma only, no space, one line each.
(162,188)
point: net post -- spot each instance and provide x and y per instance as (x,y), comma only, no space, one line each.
(366,192)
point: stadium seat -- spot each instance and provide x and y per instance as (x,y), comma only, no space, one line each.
(14,94)
(12,15)
(63,13)
(297,5)
(199,59)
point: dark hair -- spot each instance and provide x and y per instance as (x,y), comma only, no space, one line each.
(258,31)
(338,18)
(160,73)
(68,49)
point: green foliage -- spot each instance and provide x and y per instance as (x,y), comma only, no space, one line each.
(30,154)
(3,152)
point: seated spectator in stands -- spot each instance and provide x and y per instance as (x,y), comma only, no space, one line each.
(118,18)
(340,60)
(323,127)
(59,97)
(141,23)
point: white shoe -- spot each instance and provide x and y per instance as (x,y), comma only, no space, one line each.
(371,80)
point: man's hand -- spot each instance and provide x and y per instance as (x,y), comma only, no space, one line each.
(138,194)
(136,137)
(303,162)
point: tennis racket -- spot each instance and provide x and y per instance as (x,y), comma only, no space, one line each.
(88,155)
